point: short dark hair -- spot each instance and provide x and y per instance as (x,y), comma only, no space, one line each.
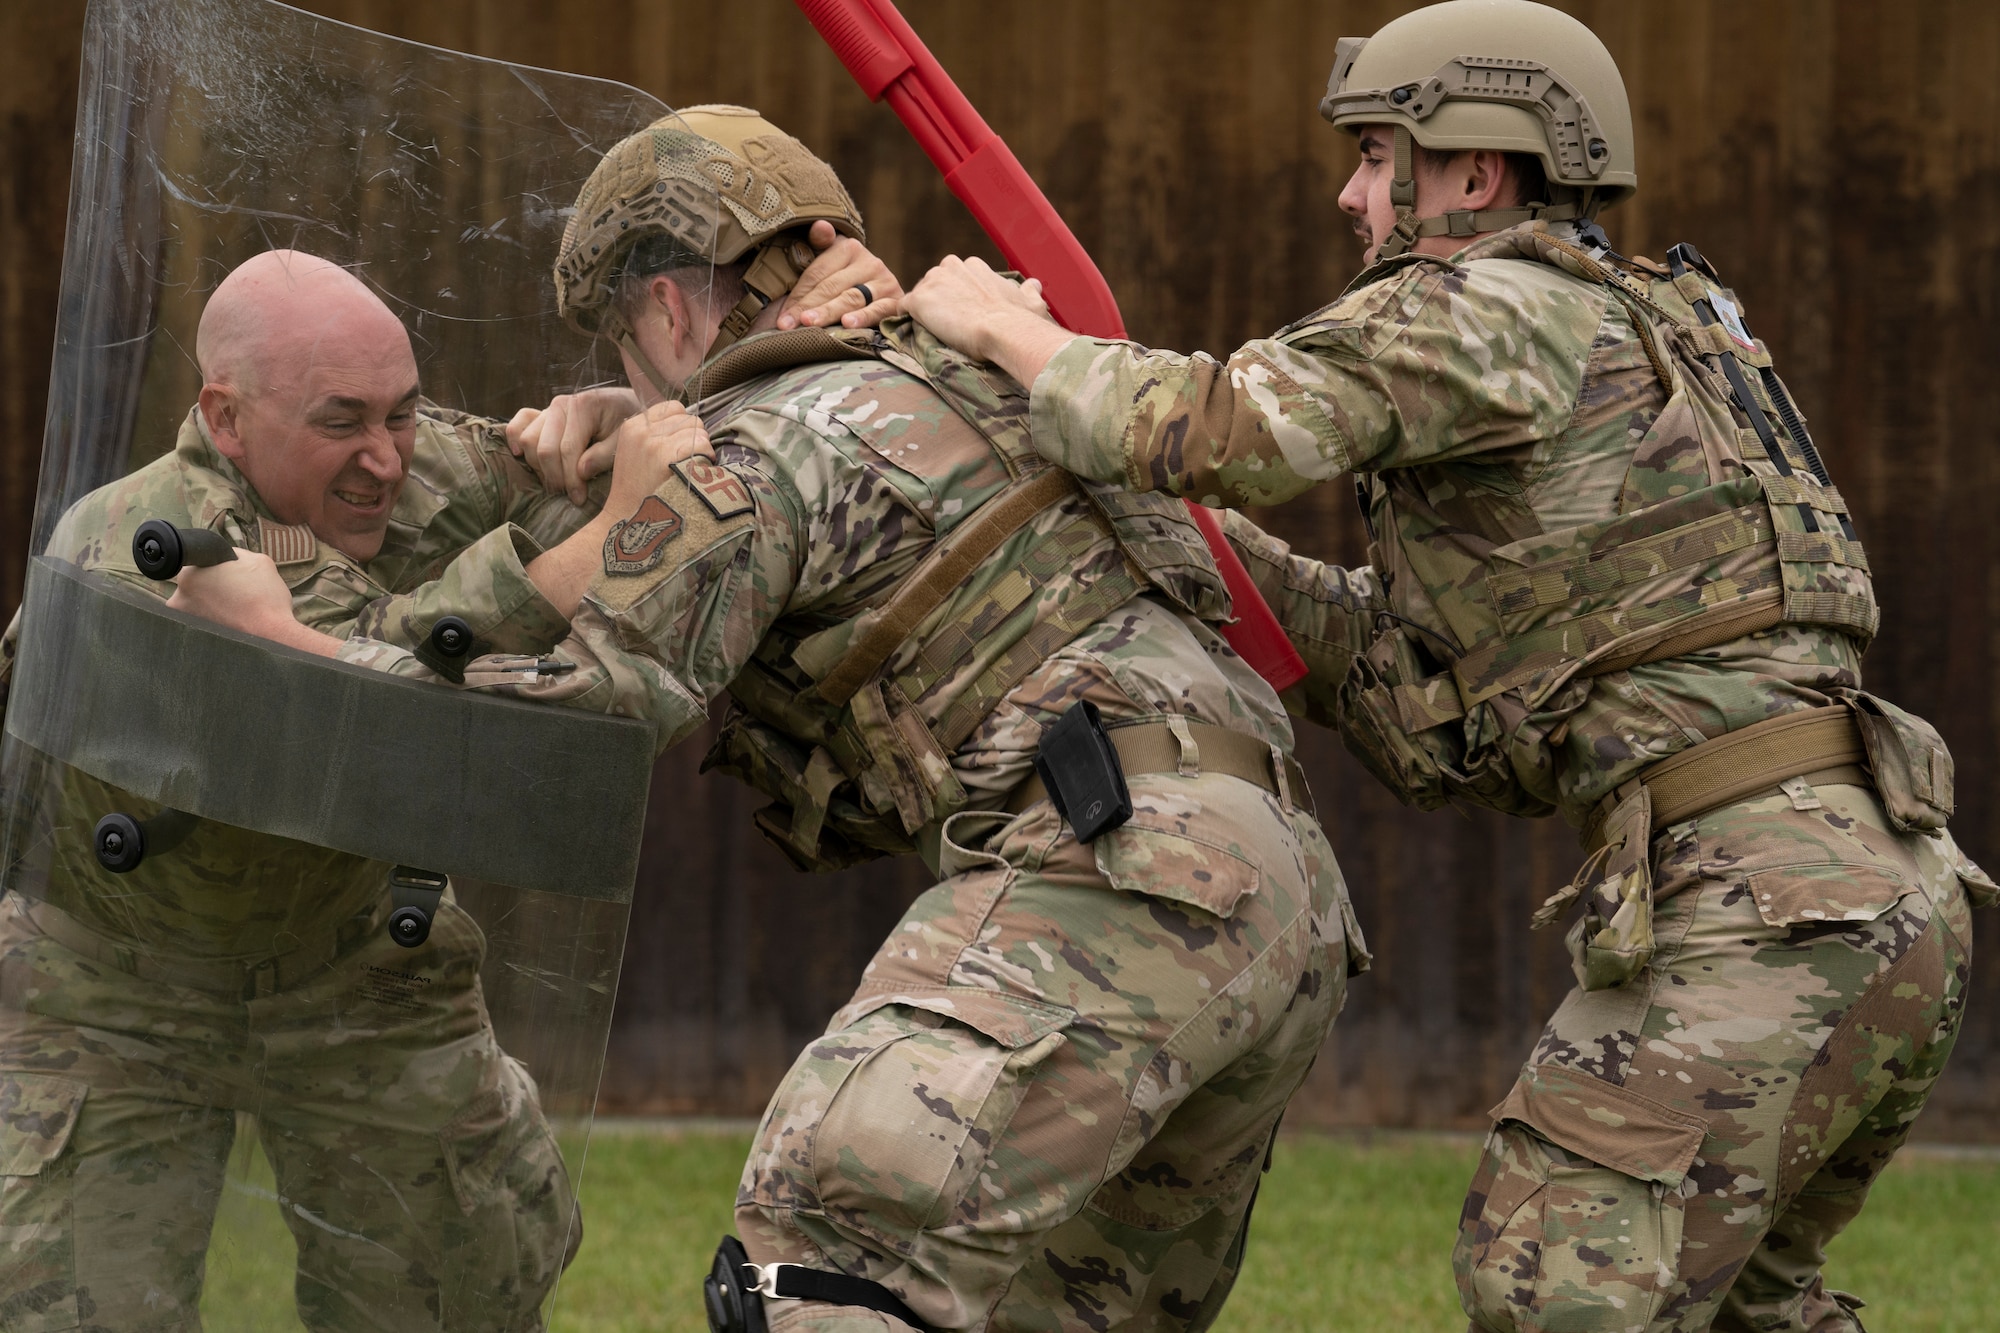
(1529,182)
(657,255)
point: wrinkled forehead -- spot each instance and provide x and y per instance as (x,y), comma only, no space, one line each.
(359,358)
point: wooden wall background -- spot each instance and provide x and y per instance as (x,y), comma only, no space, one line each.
(1839,159)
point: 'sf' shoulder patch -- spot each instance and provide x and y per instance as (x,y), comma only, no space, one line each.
(678,521)
(715,486)
(637,544)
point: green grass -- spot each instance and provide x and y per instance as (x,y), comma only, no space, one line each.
(1350,1234)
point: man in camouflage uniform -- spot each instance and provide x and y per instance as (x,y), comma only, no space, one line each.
(246,973)
(1049,1101)
(1609,580)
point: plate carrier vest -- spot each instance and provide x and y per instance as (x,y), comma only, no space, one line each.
(1738,535)
(850,729)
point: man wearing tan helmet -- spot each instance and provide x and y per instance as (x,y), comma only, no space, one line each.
(1049,1101)
(1610,580)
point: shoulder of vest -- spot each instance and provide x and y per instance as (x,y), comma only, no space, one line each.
(766,354)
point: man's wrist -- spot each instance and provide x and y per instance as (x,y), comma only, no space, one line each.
(292,634)
(1022,343)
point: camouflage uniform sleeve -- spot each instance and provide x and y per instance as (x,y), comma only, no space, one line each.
(693,580)
(1329,613)
(486,584)
(1428,364)
(498,518)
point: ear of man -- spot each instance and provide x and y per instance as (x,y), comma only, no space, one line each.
(219,405)
(1481,178)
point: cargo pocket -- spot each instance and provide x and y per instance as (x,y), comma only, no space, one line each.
(508,1177)
(37,1262)
(1191,840)
(1572,1223)
(923,1086)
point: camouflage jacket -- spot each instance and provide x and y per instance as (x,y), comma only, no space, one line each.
(469,517)
(833,482)
(1514,416)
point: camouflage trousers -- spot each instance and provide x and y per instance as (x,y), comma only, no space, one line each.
(1049,1103)
(414,1168)
(1680,1149)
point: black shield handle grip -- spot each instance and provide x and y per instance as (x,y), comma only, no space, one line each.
(161,550)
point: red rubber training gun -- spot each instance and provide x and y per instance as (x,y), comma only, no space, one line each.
(889,61)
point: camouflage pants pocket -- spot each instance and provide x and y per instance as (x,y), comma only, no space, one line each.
(1575,1219)
(523,1226)
(884,1129)
(1554,1243)
(37,1229)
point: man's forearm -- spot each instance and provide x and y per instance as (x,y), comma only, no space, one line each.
(1023,345)
(563,574)
(1328,612)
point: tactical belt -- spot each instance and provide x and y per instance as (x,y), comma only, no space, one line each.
(1821,745)
(250,978)
(1152,746)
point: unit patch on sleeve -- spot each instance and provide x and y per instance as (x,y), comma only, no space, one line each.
(720,489)
(639,543)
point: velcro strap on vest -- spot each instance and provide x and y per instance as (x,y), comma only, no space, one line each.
(885,629)
(1724,624)
(1151,746)
(1730,768)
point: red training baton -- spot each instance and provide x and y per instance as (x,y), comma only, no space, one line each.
(888,60)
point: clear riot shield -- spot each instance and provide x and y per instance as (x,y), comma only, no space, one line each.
(299,963)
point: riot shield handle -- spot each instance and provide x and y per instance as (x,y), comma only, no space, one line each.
(122,842)
(161,550)
(414,898)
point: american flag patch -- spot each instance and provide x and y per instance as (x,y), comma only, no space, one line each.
(287,543)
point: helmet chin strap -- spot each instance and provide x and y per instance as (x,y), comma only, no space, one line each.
(1409,228)
(1403,194)
(772,274)
(630,346)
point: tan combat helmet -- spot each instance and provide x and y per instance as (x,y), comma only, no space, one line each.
(1508,75)
(722,182)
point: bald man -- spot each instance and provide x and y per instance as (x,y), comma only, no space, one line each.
(241,973)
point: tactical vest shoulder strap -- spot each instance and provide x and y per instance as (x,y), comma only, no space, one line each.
(773,352)
(881,631)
